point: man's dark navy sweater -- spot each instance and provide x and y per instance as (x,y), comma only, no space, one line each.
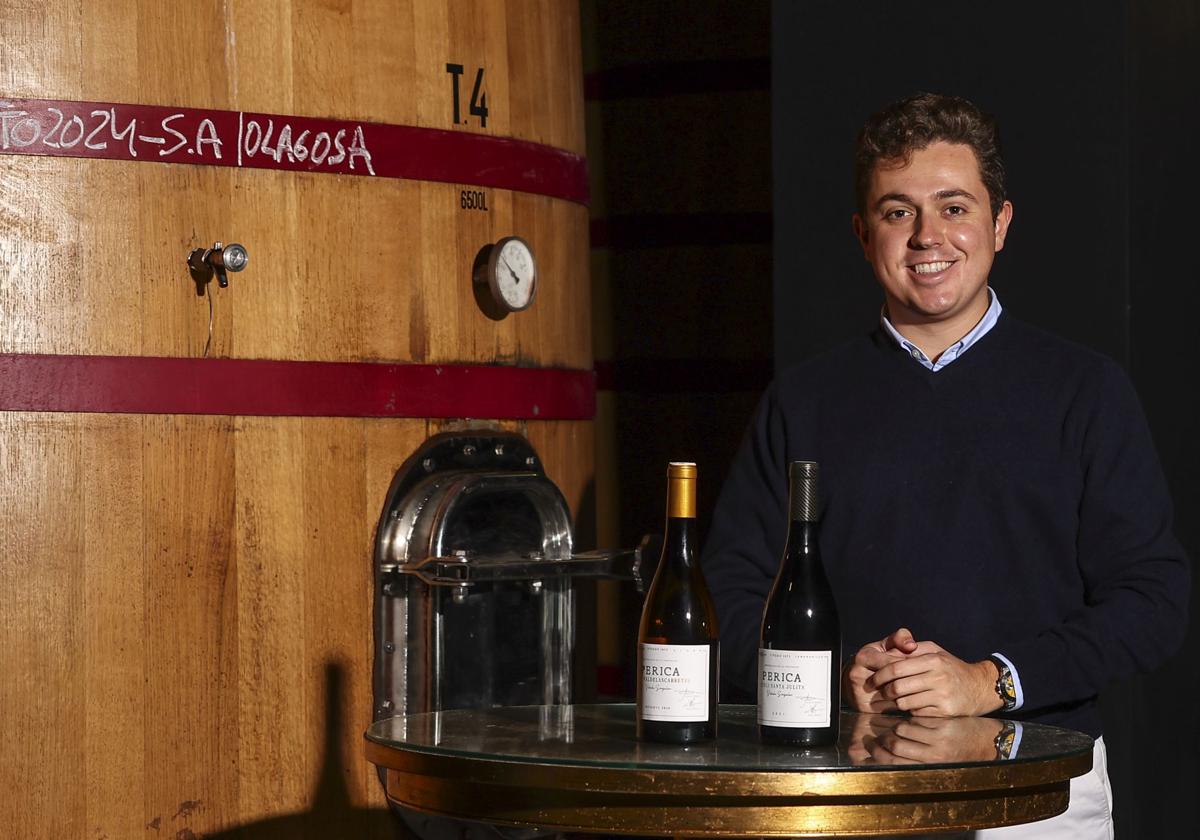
(1011,502)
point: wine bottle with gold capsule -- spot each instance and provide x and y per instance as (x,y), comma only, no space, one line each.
(678,650)
(800,647)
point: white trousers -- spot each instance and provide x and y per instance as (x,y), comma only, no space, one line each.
(1088,816)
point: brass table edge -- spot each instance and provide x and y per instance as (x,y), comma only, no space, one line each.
(590,779)
(727,816)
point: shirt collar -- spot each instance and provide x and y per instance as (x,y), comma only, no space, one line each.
(955,350)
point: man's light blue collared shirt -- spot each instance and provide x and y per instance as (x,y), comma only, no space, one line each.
(956,349)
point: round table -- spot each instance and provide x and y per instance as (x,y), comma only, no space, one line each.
(581,768)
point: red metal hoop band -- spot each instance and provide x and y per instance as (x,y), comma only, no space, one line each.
(154,385)
(163,134)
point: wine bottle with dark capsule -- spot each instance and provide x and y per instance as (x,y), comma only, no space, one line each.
(800,644)
(678,653)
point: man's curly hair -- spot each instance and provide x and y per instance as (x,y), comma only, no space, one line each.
(891,136)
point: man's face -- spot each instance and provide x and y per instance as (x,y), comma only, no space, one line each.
(927,229)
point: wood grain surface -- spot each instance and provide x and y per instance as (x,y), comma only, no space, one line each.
(185,602)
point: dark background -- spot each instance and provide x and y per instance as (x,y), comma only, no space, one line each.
(720,136)
(679,149)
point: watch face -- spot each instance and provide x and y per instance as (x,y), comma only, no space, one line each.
(1004,684)
(514,274)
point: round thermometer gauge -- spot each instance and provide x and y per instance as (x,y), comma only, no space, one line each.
(512,274)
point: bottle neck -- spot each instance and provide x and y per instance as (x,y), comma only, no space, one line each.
(802,539)
(803,534)
(802,555)
(679,540)
(680,536)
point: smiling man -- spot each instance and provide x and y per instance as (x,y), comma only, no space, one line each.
(995,523)
(930,232)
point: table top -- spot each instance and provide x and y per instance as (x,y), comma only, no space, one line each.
(582,768)
(604,736)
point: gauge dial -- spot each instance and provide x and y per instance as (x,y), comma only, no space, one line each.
(512,274)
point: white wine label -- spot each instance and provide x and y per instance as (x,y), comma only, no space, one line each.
(675,680)
(793,687)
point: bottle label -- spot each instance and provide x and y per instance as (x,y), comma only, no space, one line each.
(675,681)
(793,687)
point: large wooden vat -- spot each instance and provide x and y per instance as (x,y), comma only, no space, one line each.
(185,585)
